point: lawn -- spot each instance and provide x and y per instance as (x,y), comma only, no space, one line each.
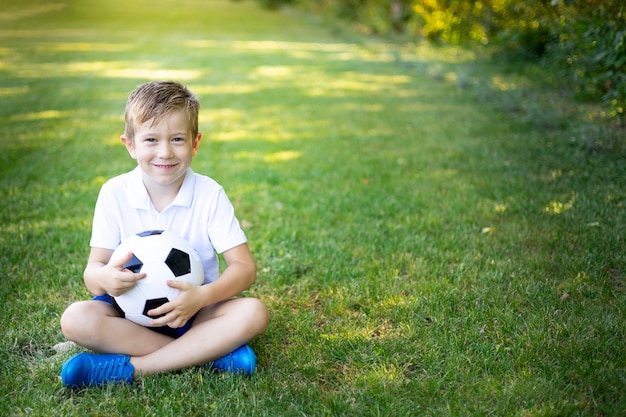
(435,234)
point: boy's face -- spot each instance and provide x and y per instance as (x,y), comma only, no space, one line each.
(163,150)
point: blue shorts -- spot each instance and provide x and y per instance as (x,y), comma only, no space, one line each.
(166,330)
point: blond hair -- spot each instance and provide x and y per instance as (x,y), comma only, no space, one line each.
(156,99)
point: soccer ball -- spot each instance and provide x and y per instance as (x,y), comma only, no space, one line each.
(162,256)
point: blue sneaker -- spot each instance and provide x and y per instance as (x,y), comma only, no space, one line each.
(88,369)
(241,360)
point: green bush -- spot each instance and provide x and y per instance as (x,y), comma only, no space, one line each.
(592,53)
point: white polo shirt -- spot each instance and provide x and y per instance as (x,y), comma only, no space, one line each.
(201,213)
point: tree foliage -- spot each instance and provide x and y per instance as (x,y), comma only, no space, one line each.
(581,39)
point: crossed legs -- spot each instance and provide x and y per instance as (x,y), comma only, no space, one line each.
(217,330)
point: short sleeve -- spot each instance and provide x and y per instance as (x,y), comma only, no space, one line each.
(105,230)
(224,229)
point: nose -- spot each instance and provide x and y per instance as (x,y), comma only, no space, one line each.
(165,150)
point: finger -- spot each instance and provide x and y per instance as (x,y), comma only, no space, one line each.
(179,285)
(129,279)
(162,310)
(120,260)
(138,276)
(172,317)
(168,320)
(178,322)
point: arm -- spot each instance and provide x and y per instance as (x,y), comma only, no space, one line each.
(106,275)
(238,276)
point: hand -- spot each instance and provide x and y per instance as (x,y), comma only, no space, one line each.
(177,312)
(118,279)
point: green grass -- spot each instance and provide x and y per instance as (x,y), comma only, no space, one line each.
(426,246)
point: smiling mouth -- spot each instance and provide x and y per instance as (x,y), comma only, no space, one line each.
(165,166)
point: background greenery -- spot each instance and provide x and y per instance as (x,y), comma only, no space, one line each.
(435,234)
(583,41)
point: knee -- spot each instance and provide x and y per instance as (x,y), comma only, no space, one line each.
(72,320)
(260,315)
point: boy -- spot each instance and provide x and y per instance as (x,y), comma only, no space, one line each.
(204,324)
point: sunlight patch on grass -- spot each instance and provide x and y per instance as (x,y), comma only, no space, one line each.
(84,47)
(275,71)
(232,135)
(224,114)
(338,51)
(42,115)
(12,91)
(34,138)
(504,85)
(114,139)
(282,156)
(246,155)
(154,74)
(449,54)
(99,181)
(224,88)
(18,228)
(40,34)
(380,375)
(50,69)
(362,82)
(146,70)
(104,69)
(226,126)
(393,302)
(368,107)
(270,45)
(30,11)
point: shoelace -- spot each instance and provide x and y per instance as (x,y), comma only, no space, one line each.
(110,370)
(225,362)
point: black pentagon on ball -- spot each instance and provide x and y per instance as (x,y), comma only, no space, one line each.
(152,304)
(178,262)
(134,264)
(149,233)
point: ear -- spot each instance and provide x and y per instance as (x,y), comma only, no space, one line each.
(130,146)
(196,145)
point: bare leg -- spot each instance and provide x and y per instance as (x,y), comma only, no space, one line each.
(216,331)
(97,326)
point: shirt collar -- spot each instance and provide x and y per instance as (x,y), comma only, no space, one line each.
(139,198)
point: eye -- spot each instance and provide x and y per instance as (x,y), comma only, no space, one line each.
(151,140)
(178,139)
